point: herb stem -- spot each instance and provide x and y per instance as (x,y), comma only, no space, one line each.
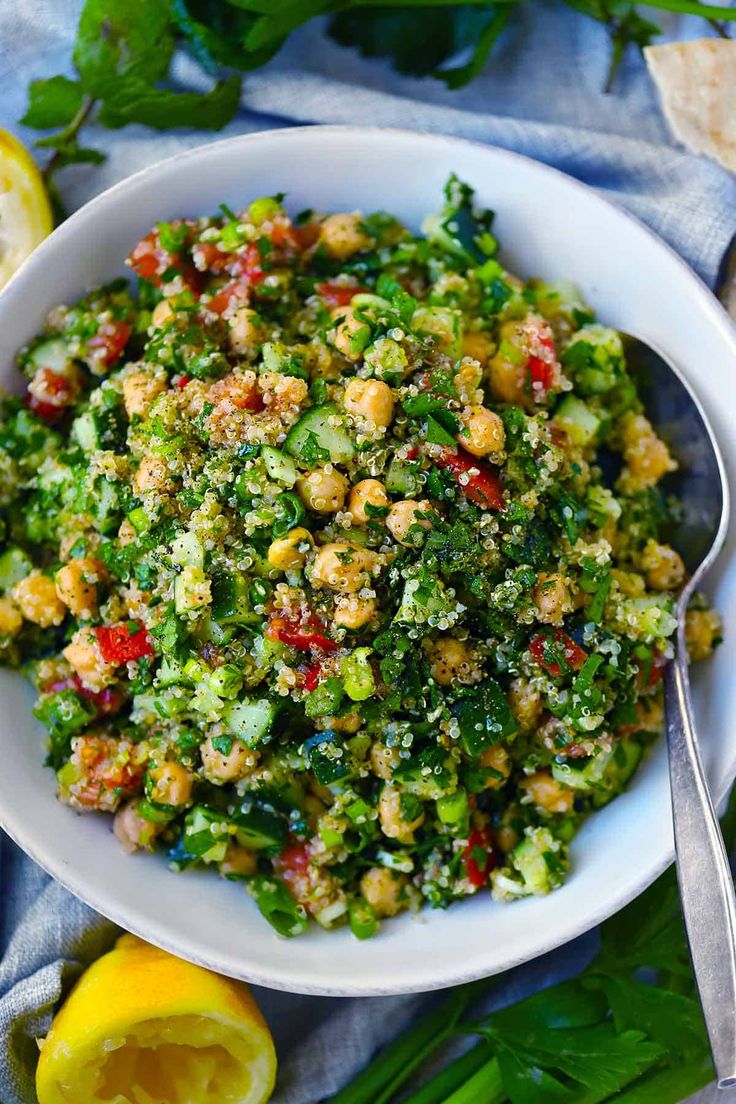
(70,131)
(453,1076)
(692,7)
(381,1080)
(484,1087)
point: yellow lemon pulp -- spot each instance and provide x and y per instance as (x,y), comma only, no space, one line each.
(144,1027)
(25,215)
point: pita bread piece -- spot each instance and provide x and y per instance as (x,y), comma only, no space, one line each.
(697,85)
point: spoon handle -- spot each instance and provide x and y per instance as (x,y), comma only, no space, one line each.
(704,875)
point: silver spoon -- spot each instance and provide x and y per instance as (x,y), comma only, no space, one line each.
(704,875)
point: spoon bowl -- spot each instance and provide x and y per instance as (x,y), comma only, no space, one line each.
(700,488)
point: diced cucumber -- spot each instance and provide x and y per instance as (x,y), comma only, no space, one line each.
(540,859)
(401,478)
(206,835)
(259,828)
(583,778)
(250,720)
(169,672)
(191,590)
(106,507)
(332,438)
(85,432)
(279,466)
(578,420)
(14,566)
(230,600)
(187,550)
(52,354)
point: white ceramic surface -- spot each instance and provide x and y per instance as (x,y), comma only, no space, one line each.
(550,226)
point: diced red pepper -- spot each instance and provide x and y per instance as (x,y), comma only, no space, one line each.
(479,858)
(337,295)
(543,370)
(293,866)
(294,857)
(311,676)
(124,643)
(305,635)
(106,702)
(574,655)
(151,262)
(183,381)
(483,485)
(59,392)
(305,236)
(110,340)
(650,673)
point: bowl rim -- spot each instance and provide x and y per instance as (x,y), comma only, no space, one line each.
(127,916)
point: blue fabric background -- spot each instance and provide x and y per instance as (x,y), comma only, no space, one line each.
(541,95)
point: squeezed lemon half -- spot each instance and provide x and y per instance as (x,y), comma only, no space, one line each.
(25,214)
(144,1027)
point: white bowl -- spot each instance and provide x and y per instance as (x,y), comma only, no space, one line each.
(550,226)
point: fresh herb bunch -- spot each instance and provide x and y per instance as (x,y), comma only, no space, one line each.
(124,49)
(628,1028)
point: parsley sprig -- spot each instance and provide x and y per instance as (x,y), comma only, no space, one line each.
(628,1028)
(124,48)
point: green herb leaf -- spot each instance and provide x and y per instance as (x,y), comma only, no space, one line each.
(134,101)
(52,103)
(122,39)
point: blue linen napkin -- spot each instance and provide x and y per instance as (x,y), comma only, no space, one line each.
(541,96)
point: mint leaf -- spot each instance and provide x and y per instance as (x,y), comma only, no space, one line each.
(133,101)
(122,38)
(52,103)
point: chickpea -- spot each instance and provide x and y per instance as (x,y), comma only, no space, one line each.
(83,655)
(11,620)
(246,332)
(76,585)
(404,515)
(133,830)
(323,490)
(552,597)
(153,475)
(496,758)
(239,861)
(289,553)
(341,235)
(452,660)
(392,819)
(127,532)
(172,783)
(352,612)
(343,567)
(479,346)
(384,890)
(163,312)
(663,566)
(483,431)
(702,631)
(220,766)
(546,793)
(383,760)
(370,399)
(139,391)
(506,835)
(350,336)
(38,601)
(526,703)
(369,492)
(349,723)
(646,456)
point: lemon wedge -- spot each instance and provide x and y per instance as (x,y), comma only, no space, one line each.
(25,214)
(144,1027)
